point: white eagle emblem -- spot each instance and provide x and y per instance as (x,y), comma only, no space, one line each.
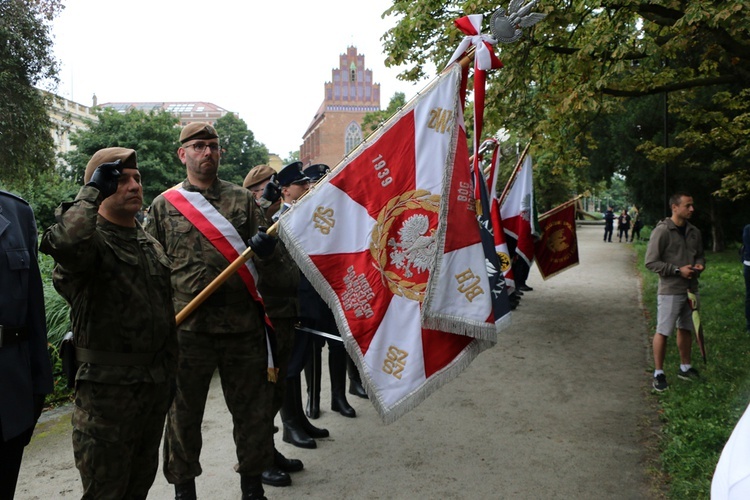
(416,246)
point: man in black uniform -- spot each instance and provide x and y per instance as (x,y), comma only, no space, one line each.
(25,370)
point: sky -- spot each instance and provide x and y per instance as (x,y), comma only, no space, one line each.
(268,66)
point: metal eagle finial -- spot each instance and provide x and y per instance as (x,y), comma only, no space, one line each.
(507,28)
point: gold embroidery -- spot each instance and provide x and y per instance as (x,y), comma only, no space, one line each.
(323,219)
(395,361)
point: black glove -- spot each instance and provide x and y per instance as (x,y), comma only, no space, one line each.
(272,191)
(262,244)
(105,178)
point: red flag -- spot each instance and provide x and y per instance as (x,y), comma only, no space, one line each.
(557,250)
(376,238)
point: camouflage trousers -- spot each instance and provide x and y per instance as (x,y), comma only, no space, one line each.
(242,365)
(116,435)
(284,328)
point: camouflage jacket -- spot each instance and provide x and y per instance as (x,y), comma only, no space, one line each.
(196,262)
(116,280)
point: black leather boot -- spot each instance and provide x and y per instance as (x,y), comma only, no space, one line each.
(252,488)
(310,429)
(274,476)
(355,381)
(185,491)
(312,376)
(286,464)
(337,367)
(292,415)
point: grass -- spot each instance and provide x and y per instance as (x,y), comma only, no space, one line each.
(698,417)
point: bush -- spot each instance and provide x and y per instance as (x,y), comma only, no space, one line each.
(58,324)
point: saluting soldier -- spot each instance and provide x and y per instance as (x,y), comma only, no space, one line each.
(200,224)
(25,371)
(116,279)
(266,193)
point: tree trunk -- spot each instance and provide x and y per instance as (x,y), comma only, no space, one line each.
(717,230)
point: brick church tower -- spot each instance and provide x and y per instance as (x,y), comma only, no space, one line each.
(336,128)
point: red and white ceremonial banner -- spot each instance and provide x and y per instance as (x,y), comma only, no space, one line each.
(501,247)
(557,249)
(391,242)
(518,212)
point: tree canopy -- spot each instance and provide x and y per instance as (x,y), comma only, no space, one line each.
(26,61)
(590,63)
(240,150)
(153,135)
(374,119)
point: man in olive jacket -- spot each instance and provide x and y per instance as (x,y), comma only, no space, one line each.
(675,253)
(116,279)
(198,223)
(25,371)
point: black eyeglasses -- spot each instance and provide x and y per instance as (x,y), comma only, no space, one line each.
(200,147)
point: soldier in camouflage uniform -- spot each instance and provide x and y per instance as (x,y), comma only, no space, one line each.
(226,332)
(116,279)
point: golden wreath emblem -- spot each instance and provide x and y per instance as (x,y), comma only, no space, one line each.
(402,241)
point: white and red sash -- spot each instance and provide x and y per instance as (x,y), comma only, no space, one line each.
(225,238)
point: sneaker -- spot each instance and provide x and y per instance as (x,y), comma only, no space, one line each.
(691,374)
(660,383)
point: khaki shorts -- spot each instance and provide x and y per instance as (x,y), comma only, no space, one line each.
(673,310)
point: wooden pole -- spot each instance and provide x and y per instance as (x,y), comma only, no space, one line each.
(513,175)
(220,279)
(558,208)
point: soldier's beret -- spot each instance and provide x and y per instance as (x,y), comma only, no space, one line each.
(316,172)
(107,155)
(292,174)
(257,174)
(197,130)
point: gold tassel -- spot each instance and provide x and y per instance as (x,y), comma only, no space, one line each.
(273,374)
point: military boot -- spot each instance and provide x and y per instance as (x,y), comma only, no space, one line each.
(355,381)
(185,491)
(252,488)
(292,415)
(312,376)
(337,367)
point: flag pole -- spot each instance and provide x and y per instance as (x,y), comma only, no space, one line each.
(559,208)
(513,175)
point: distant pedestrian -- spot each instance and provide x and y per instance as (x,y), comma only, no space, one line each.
(609,223)
(623,225)
(637,224)
(675,253)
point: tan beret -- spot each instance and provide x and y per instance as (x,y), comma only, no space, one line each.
(107,155)
(198,130)
(257,174)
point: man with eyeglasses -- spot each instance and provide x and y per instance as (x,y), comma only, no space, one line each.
(200,224)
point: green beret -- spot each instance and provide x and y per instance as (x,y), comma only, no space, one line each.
(108,155)
(257,174)
(197,130)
